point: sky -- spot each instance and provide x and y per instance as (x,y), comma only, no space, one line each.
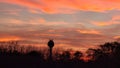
(76,24)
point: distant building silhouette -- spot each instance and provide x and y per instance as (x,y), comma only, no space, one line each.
(50,44)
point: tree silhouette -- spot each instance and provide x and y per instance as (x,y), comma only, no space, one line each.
(77,55)
(65,56)
(116,52)
(107,48)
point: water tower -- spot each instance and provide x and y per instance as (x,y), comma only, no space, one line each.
(50,45)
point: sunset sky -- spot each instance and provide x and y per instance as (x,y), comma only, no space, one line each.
(77,24)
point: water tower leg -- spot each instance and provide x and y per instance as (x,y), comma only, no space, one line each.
(50,55)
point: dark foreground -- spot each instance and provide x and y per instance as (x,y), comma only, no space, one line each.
(35,62)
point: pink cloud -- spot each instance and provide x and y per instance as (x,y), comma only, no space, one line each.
(67,6)
(113,21)
(89,31)
(11,12)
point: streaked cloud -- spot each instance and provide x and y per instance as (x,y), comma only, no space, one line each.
(66,6)
(115,20)
(104,23)
(116,37)
(7,37)
(89,31)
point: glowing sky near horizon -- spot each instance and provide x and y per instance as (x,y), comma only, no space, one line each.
(77,24)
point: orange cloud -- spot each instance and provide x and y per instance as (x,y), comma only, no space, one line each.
(37,21)
(88,31)
(12,21)
(116,17)
(116,37)
(15,21)
(102,23)
(48,35)
(67,6)
(11,12)
(115,20)
(112,0)
(42,21)
(33,11)
(9,38)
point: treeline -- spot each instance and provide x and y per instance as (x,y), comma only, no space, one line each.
(105,56)
(105,51)
(13,48)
